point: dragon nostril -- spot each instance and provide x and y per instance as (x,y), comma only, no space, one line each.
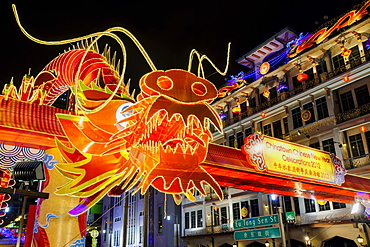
(165,83)
(199,88)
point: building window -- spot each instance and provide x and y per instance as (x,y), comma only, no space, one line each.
(267,130)
(367,135)
(199,218)
(338,61)
(224,215)
(231,141)
(310,81)
(240,139)
(116,235)
(286,126)
(296,206)
(315,145)
(296,116)
(355,53)
(243,107)
(322,108)
(236,211)
(193,219)
(275,204)
(255,208)
(273,96)
(187,220)
(347,101)
(328,146)
(160,219)
(297,85)
(309,107)
(287,203)
(140,234)
(278,132)
(252,102)
(324,207)
(248,132)
(338,205)
(309,205)
(357,145)
(321,67)
(216,216)
(362,95)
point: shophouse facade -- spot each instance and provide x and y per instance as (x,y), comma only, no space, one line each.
(319,98)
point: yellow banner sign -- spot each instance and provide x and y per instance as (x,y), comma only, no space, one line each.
(282,157)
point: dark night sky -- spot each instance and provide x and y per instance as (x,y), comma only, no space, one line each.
(168,30)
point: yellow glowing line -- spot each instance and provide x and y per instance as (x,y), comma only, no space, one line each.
(204,57)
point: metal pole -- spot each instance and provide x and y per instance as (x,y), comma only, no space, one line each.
(146,221)
(125,213)
(20,229)
(281,225)
(366,234)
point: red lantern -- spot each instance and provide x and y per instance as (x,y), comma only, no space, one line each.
(236,109)
(362,128)
(263,114)
(346,78)
(302,77)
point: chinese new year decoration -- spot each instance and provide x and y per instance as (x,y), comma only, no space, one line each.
(306,115)
(302,77)
(116,142)
(265,67)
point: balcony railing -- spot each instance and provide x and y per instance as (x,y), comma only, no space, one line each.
(307,85)
(356,162)
(353,113)
(208,230)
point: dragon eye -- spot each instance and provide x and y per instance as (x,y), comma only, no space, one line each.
(120,115)
(165,83)
(199,88)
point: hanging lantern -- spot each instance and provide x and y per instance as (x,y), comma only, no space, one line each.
(362,128)
(236,109)
(346,78)
(263,114)
(302,77)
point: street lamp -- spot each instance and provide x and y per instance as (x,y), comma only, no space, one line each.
(235,244)
(307,241)
(267,244)
(360,240)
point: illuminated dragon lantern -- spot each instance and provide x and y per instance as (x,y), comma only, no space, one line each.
(117,143)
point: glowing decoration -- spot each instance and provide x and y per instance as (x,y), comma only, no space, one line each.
(266,93)
(346,78)
(302,77)
(225,90)
(281,157)
(306,115)
(236,109)
(322,203)
(357,35)
(263,114)
(265,67)
(244,212)
(363,128)
(346,52)
(346,20)
(222,115)
(5,181)
(116,143)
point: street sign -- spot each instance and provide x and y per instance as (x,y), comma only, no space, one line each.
(257,221)
(290,217)
(272,232)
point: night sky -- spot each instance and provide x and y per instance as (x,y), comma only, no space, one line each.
(168,30)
